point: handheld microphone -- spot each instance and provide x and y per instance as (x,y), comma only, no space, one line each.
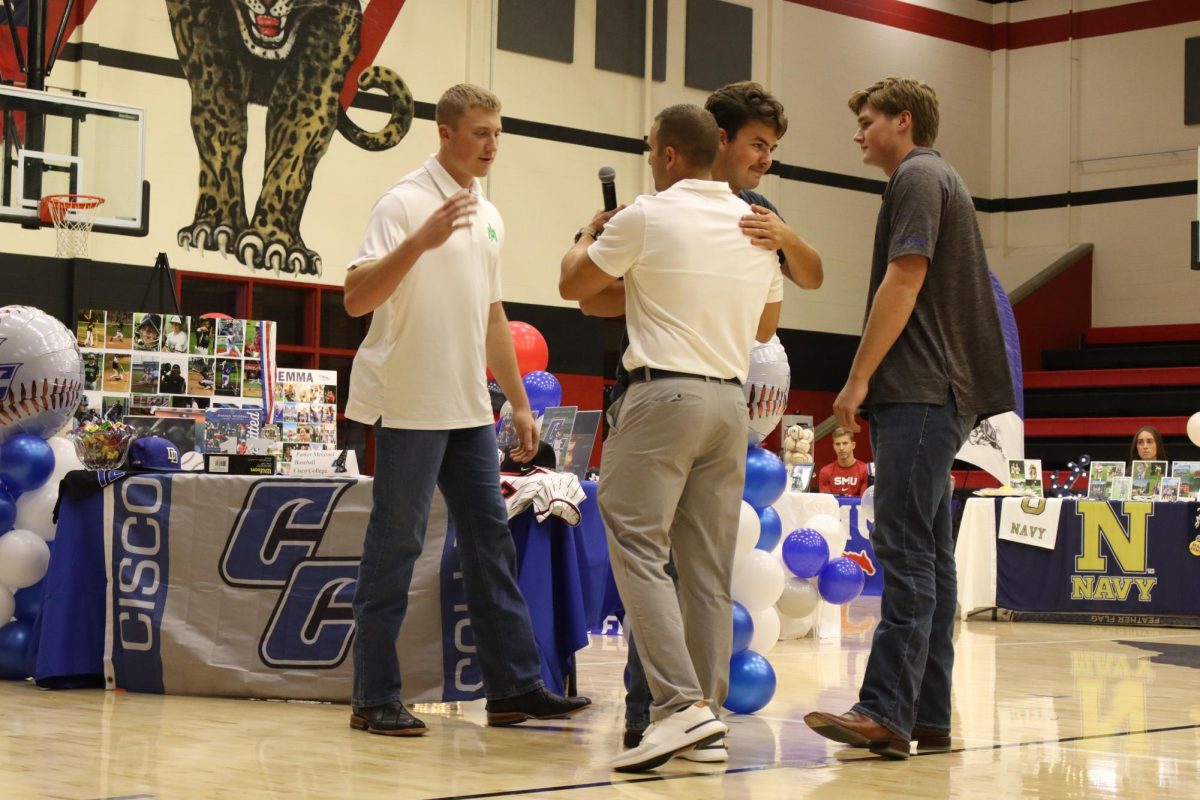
(608,186)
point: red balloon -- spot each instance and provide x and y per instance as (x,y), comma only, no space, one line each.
(532,353)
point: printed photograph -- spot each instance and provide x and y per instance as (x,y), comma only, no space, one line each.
(144,371)
(229,377)
(229,337)
(118,331)
(201,376)
(252,379)
(89,328)
(1188,473)
(93,370)
(172,375)
(116,373)
(147,331)
(203,336)
(175,337)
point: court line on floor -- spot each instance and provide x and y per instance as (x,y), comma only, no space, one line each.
(797,764)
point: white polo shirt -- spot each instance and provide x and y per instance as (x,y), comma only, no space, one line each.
(694,285)
(423,362)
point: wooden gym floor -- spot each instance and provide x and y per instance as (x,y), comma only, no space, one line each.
(1043,711)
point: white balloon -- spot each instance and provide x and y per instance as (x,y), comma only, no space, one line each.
(757,579)
(749,529)
(8,605)
(766,630)
(799,599)
(866,505)
(65,457)
(831,528)
(24,558)
(795,628)
(35,511)
(1193,428)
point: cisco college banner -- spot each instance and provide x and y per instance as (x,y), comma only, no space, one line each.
(1120,558)
(242,587)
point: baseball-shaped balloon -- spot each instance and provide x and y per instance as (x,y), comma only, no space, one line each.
(41,372)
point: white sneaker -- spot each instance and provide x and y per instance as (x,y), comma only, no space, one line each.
(711,753)
(694,726)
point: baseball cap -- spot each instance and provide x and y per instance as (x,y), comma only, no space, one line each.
(154,453)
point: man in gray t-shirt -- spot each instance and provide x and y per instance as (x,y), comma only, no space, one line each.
(931,362)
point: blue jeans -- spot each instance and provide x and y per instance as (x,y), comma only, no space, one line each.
(908,673)
(462,463)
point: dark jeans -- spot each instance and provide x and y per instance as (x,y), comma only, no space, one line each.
(908,673)
(462,463)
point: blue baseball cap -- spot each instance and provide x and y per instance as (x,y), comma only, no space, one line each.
(154,453)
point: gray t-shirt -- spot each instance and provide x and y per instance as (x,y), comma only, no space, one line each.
(953,340)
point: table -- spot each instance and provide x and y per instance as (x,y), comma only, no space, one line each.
(1121,562)
(241,586)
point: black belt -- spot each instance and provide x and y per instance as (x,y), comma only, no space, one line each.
(639,374)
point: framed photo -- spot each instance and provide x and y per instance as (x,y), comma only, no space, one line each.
(1168,489)
(1100,475)
(1188,473)
(1147,475)
(1120,488)
(800,478)
(1025,475)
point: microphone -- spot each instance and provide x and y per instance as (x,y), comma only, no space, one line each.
(608,186)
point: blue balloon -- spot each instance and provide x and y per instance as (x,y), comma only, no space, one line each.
(751,683)
(14,642)
(26,462)
(8,510)
(771,527)
(805,552)
(543,390)
(29,602)
(743,627)
(766,478)
(841,581)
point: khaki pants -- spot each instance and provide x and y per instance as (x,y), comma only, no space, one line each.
(671,482)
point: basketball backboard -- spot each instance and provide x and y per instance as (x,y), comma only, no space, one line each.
(60,144)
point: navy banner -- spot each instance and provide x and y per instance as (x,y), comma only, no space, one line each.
(1121,558)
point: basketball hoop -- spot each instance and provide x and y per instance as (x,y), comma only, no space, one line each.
(72,216)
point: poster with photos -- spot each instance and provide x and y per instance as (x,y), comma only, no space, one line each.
(1025,475)
(1100,475)
(1168,489)
(305,408)
(1188,473)
(136,361)
(1147,475)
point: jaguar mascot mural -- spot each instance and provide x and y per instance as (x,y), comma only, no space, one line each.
(291,56)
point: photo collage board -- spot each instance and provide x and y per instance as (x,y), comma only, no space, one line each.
(135,362)
(305,409)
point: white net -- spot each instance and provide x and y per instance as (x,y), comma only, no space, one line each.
(73,216)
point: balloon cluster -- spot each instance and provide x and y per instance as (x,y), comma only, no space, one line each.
(1062,484)
(757,584)
(542,388)
(30,469)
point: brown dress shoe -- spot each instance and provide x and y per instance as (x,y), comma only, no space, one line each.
(929,740)
(856,729)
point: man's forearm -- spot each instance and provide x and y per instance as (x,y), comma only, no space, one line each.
(802,263)
(890,311)
(368,286)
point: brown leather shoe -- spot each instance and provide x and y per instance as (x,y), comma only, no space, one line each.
(856,729)
(929,740)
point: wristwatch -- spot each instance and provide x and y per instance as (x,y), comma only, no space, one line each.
(589,231)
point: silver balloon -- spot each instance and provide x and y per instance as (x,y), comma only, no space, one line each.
(41,372)
(767,385)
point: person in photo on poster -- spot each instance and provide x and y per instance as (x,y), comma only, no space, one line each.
(691,277)
(176,340)
(91,372)
(925,392)
(433,243)
(149,327)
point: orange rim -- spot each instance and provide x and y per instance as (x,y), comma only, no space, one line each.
(66,202)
